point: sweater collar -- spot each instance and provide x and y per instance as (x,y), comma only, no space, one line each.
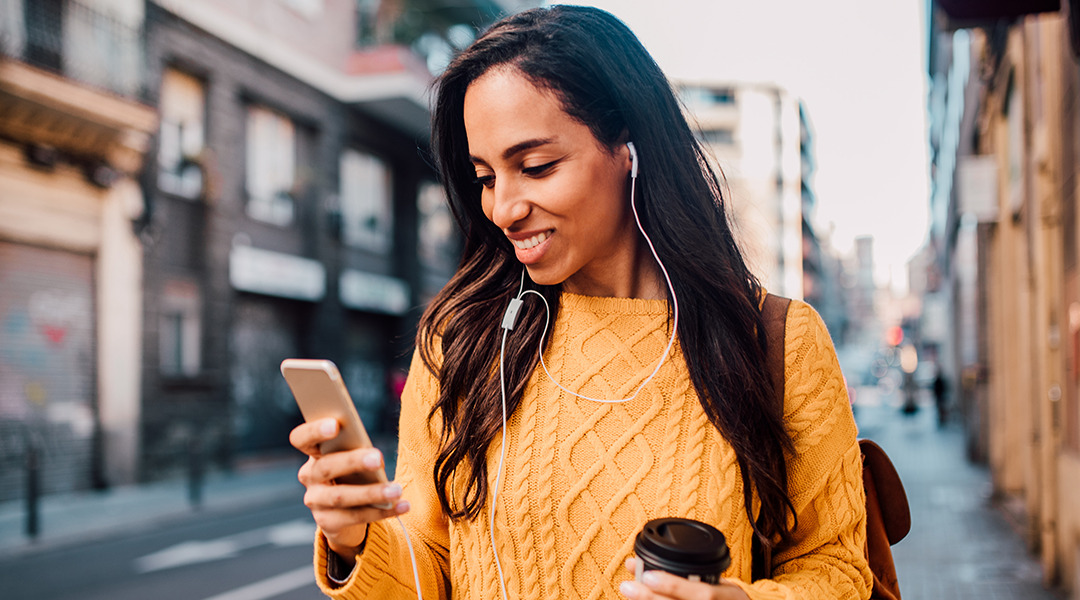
(604,305)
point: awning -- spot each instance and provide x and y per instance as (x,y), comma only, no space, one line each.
(992,10)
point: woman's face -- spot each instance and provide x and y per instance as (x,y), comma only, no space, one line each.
(559,195)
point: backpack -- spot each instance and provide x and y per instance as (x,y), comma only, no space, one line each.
(888,518)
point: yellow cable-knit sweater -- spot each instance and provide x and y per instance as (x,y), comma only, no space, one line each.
(582,477)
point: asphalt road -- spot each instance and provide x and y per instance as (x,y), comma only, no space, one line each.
(259,554)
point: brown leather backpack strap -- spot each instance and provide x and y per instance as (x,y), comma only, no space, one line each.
(774,314)
(774,311)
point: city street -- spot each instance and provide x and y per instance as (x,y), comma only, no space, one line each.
(961,546)
(253,539)
(240,555)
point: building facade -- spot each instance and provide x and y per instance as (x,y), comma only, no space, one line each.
(822,269)
(754,133)
(74,130)
(762,140)
(293,213)
(192,191)
(1005,142)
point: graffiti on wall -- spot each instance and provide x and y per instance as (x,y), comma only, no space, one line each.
(46,363)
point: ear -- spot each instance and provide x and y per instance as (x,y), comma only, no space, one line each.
(622,151)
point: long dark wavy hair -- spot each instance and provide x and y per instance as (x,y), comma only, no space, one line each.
(605,79)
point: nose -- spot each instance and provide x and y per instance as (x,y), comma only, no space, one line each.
(506,204)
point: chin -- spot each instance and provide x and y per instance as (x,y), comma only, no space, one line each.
(544,276)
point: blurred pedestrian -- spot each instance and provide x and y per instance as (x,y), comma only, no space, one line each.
(910,389)
(525,482)
(939,388)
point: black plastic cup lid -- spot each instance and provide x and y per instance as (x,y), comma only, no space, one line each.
(682,546)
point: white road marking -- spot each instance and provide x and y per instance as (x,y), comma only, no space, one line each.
(188,553)
(269,588)
(292,533)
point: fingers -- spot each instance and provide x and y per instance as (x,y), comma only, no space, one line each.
(345,490)
(357,466)
(306,437)
(636,567)
(344,511)
(657,585)
(331,497)
(339,525)
(340,519)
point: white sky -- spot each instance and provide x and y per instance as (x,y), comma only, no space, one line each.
(860,68)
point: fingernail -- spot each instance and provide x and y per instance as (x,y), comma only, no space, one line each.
(628,589)
(328,427)
(392,491)
(650,578)
(402,507)
(372,460)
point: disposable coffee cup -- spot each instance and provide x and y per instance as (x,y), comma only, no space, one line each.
(683,547)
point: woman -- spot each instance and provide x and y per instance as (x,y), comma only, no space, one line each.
(618,426)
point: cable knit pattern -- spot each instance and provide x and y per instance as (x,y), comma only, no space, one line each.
(582,477)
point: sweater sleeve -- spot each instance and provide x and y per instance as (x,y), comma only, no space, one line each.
(384,569)
(825,558)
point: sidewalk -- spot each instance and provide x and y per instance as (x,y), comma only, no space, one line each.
(961,546)
(66,519)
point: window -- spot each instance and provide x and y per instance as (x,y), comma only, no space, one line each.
(697,96)
(180,140)
(436,228)
(717,136)
(366,203)
(271,166)
(44,33)
(722,95)
(367,22)
(180,330)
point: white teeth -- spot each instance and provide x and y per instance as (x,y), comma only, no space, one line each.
(531,242)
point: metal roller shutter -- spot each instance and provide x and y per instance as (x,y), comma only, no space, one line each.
(47,367)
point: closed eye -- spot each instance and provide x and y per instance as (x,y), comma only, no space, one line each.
(487,181)
(539,169)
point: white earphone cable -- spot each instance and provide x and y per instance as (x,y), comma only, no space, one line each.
(412,557)
(502,458)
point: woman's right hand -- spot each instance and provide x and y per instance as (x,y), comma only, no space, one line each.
(342,511)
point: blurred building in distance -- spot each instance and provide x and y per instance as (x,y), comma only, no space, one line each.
(1002,268)
(762,140)
(822,269)
(754,133)
(236,183)
(862,294)
(75,128)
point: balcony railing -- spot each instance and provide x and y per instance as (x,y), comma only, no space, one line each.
(74,40)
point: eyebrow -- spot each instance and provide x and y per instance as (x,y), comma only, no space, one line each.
(515,149)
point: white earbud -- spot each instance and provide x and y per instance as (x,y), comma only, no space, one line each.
(633,159)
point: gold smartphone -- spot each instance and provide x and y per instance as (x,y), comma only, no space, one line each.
(321,394)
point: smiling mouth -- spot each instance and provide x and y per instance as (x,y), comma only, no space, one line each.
(532,242)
